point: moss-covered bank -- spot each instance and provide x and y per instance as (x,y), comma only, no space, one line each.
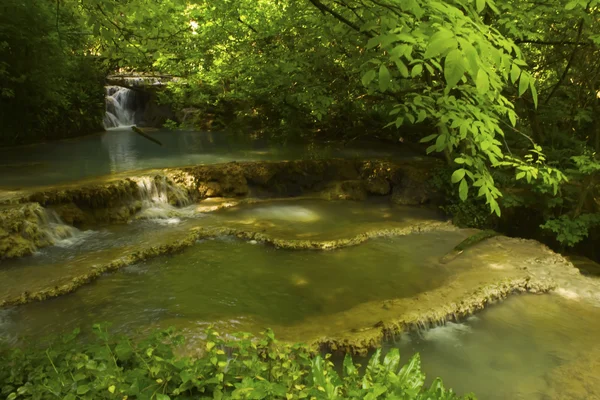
(118,199)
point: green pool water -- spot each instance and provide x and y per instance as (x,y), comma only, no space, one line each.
(244,286)
(288,219)
(526,347)
(116,151)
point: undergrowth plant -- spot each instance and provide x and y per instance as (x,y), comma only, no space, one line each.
(243,368)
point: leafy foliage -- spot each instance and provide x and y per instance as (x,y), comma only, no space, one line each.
(501,90)
(244,368)
(50,84)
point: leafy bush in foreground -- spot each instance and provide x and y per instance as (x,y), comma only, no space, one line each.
(245,368)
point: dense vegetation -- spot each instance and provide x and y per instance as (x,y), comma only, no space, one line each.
(246,368)
(51,84)
(506,92)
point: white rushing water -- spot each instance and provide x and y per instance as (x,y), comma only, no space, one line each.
(120,107)
(59,233)
(163,202)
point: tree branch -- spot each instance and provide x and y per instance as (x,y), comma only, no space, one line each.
(247,25)
(553,43)
(326,10)
(566,71)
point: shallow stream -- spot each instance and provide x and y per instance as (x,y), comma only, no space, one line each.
(525,347)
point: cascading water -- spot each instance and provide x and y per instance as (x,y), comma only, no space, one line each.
(120,107)
(48,229)
(161,201)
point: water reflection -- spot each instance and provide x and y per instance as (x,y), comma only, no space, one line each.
(120,150)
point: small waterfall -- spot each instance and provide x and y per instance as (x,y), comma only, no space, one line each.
(56,231)
(121,105)
(162,201)
(48,229)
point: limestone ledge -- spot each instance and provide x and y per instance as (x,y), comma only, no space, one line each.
(490,274)
(117,198)
(199,234)
(494,274)
(20,230)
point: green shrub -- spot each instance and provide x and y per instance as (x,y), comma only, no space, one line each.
(244,368)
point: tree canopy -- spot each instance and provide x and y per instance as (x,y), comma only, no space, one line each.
(505,91)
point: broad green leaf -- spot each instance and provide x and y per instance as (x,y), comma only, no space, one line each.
(384,78)
(402,68)
(512,116)
(454,67)
(368,77)
(480,4)
(417,70)
(83,389)
(440,46)
(534,94)
(349,367)
(471,55)
(440,142)
(495,208)
(428,138)
(523,83)
(405,37)
(571,5)
(515,72)
(463,190)
(458,175)
(482,82)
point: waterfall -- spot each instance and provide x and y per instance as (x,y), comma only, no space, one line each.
(56,231)
(48,229)
(161,199)
(120,107)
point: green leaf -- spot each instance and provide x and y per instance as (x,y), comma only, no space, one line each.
(534,94)
(368,77)
(349,367)
(463,190)
(458,175)
(482,82)
(384,78)
(160,396)
(520,175)
(480,4)
(571,5)
(515,72)
(391,361)
(112,388)
(454,67)
(405,37)
(83,389)
(440,45)
(402,68)
(512,116)
(523,83)
(417,70)
(495,208)
(471,56)
(428,138)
